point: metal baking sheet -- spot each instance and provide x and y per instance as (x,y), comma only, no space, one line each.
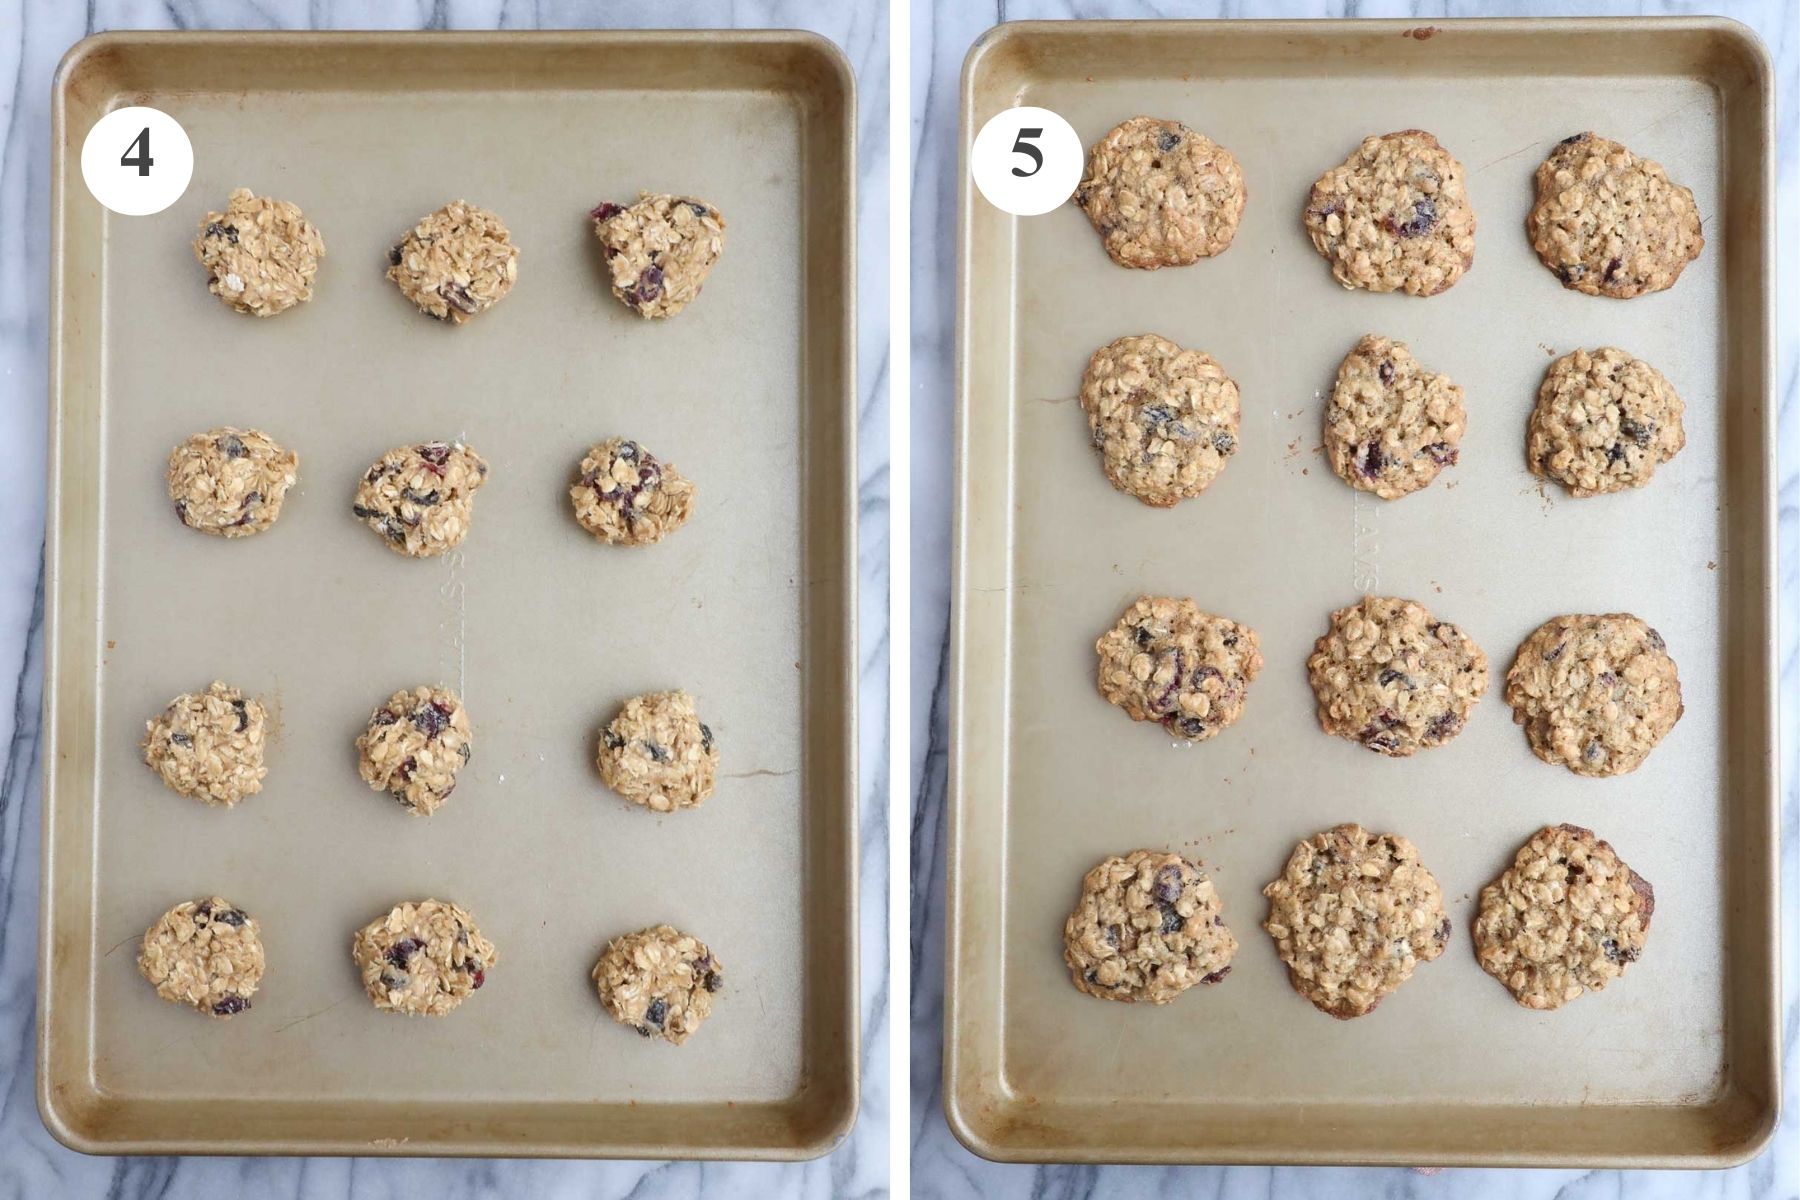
(1676,1065)
(750,607)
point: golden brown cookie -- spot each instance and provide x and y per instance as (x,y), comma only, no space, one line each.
(1161,195)
(1389,675)
(1164,419)
(1394,216)
(1148,926)
(1391,425)
(1169,662)
(1594,693)
(1604,422)
(1609,223)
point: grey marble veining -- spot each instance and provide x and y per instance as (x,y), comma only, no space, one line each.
(942,31)
(33,36)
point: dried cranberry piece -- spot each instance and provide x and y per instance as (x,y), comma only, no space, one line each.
(706,737)
(401,952)
(479,978)
(658,1012)
(435,454)
(1371,461)
(432,719)
(1442,453)
(457,297)
(1168,884)
(233,446)
(1385,371)
(243,714)
(713,981)
(1168,140)
(230,1006)
(1573,138)
(1424,218)
(1172,920)
(649,285)
(229,916)
(1224,443)
(1217,975)
(606,210)
(396,254)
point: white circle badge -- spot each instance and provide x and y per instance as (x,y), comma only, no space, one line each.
(137,161)
(1026,161)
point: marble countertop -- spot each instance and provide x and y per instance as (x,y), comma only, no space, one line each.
(33,37)
(942,33)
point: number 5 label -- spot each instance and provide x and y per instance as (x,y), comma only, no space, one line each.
(1026,161)
(137,161)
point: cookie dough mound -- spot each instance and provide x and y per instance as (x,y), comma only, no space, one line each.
(204,953)
(625,497)
(420,499)
(1393,677)
(1394,217)
(1594,693)
(1352,915)
(261,253)
(1164,419)
(230,482)
(659,250)
(1604,422)
(457,263)
(1147,927)
(1169,662)
(209,745)
(414,746)
(1609,223)
(1567,917)
(1161,195)
(423,958)
(1391,425)
(659,981)
(657,753)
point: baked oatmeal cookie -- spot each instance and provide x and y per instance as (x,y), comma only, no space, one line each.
(414,746)
(1148,926)
(1169,662)
(1161,195)
(1164,419)
(1609,223)
(1391,425)
(209,745)
(659,250)
(230,482)
(261,253)
(1594,693)
(625,497)
(1393,677)
(1604,422)
(204,953)
(423,958)
(1395,216)
(657,753)
(1566,918)
(1352,915)
(456,263)
(421,498)
(659,981)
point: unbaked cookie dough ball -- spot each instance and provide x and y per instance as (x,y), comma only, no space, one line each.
(230,482)
(457,263)
(657,753)
(209,745)
(414,746)
(207,954)
(659,981)
(261,253)
(625,497)
(659,250)
(420,499)
(422,959)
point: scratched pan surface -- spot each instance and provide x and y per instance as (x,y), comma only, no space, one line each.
(544,631)
(1676,1063)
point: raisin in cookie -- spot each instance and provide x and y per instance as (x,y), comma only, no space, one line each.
(457,262)
(230,482)
(1609,223)
(659,981)
(414,746)
(261,253)
(659,250)
(422,958)
(1391,425)
(209,745)
(1393,677)
(1594,693)
(1161,195)
(1604,422)
(1169,662)
(1567,917)
(1352,915)
(625,497)
(1147,927)
(1164,419)
(420,498)
(1394,216)
(204,953)
(657,753)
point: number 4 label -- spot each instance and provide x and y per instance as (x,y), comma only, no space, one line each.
(1026,161)
(120,168)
